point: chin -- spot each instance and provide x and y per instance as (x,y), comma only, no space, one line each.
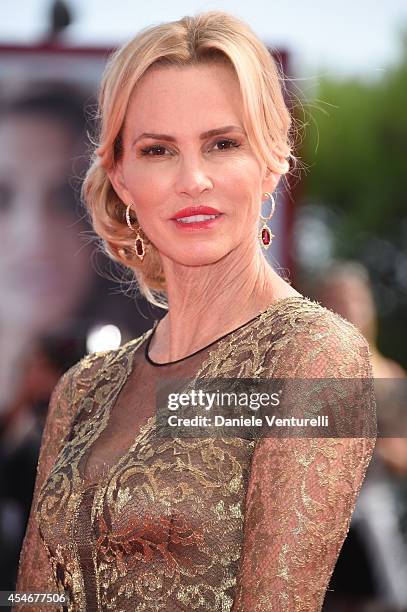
(199,255)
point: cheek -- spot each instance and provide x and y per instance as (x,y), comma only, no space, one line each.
(148,189)
(246,194)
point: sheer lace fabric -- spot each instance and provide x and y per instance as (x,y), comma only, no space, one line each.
(125,520)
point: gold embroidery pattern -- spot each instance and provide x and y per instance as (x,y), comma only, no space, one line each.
(219,524)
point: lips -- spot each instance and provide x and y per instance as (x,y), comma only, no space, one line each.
(197,218)
(195,210)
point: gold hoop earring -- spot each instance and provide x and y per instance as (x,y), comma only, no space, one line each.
(265,235)
(139,246)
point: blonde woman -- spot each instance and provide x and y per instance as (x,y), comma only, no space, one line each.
(194,136)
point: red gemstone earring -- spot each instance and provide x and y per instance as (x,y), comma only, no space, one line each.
(139,242)
(265,235)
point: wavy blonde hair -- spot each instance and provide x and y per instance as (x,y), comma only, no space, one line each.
(210,36)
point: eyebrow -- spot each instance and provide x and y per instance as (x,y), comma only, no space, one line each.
(203,136)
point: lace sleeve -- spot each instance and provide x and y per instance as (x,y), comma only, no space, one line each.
(35,571)
(302,491)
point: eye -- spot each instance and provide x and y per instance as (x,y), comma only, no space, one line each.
(226,143)
(154,151)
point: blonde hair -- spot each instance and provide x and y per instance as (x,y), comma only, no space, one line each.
(211,36)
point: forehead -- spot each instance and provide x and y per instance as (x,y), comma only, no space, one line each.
(177,99)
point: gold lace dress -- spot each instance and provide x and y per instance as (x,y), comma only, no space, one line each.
(125,520)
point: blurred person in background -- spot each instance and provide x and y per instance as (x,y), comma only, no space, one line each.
(346,289)
(372,566)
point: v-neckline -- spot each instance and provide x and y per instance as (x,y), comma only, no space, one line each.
(102,483)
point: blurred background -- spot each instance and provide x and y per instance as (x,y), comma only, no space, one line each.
(340,226)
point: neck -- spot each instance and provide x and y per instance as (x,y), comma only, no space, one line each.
(206,302)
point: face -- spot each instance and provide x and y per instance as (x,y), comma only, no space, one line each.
(44,269)
(184,146)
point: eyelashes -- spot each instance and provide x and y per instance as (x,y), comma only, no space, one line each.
(159,150)
(153,151)
(232,144)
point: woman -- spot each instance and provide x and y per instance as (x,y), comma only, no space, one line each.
(193,123)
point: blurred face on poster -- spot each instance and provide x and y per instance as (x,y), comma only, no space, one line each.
(45,269)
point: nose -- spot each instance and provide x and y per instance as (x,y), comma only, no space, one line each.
(193,179)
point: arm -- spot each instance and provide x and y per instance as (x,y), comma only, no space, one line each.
(302,491)
(35,570)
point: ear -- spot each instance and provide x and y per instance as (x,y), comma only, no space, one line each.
(119,184)
(270,180)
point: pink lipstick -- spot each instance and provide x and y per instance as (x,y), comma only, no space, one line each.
(196,218)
